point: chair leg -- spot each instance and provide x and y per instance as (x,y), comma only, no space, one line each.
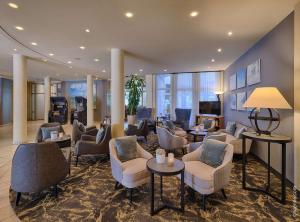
(77,159)
(116,185)
(224,194)
(56,191)
(183,152)
(18,198)
(203,198)
(130,196)
(191,193)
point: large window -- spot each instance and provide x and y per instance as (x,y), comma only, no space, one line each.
(163,94)
(184,90)
(209,82)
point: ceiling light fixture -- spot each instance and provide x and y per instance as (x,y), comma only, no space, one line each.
(82,47)
(20,28)
(70,67)
(141,70)
(34,43)
(212,60)
(45,60)
(13,5)
(51,54)
(219,49)
(15,50)
(165,70)
(96,60)
(87,30)
(69,62)
(129,14)
(193,14)
(103,70)
(230,33)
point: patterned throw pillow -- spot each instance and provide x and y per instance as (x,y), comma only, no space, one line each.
(207,123)
(230,127)
(238,133)
(126,148)
(213,152)
(100,135)
(81,127)
(170,125)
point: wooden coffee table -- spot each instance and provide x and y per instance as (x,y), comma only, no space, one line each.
(198,134)
(62,142)
(165,170)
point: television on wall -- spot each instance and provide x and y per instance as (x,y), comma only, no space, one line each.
(210,107)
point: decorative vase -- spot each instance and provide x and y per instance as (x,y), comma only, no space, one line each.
(160,156)
(131,119)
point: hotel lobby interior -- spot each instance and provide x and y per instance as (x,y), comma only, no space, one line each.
(149,110)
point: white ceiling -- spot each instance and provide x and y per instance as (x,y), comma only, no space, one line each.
(161,34)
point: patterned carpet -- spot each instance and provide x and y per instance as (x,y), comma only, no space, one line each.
(89,195)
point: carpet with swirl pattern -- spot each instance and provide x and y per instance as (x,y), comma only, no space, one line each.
(89,195)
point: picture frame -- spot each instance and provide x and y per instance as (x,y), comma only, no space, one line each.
(241,78)
(232,82)
(233,101)
(253,73)
(241,98)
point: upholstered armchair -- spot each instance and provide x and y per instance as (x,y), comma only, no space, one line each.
(79,129)
(174,129)
(38,166)
(39,136)
(169,141)
(206,179)
(132,173)
(141,130)
(144,113)
(183,118)
(88,145)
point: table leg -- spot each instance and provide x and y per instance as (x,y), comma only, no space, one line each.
(182,191)
(283,172)
(244,163)
(161,187)
(152,194)
(195,139)
(269,177)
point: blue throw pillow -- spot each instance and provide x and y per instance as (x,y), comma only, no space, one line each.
(230,127)
(46,131)
(213,152)
(170,125)
(207,123)
(126,148)
(100,135)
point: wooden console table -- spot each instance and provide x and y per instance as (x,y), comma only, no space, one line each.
(219,120)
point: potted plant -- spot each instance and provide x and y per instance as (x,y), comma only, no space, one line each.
(134,86)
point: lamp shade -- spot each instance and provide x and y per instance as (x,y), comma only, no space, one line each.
(267,97)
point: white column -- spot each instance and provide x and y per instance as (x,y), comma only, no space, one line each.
(47,94)
(297,97)
(19,99)
(117,92)
(89,97)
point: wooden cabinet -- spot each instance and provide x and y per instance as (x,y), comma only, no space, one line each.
(219,120)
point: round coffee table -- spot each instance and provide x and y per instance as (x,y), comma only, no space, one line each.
(165,170)
(62,142)
(201,134)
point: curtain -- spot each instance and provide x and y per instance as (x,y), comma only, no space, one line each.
(163,94)
(209,83)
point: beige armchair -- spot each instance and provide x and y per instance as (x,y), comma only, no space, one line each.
(132,173)
(204,178)
(170,142)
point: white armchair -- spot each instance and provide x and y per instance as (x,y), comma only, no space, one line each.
(204,178)
(132,173)
(170,142)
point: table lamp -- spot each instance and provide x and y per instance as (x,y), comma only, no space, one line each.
(266,98)
(218,93)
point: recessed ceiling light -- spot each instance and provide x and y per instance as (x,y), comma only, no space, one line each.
(69,62)
(82,47)
(165,70)
(212,60)
(45,60)
(193,14)
(20,28)
(230,33)
(15,50)
(141,70)
(51,54)
(70,67)
(57,74)
(208,67)
(34,43)
(87,30)
(219,49)
(103,70)
(96,60)
(129,14)
(13,5)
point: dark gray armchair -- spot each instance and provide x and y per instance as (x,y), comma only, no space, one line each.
(141,130)
(183,118)
(144,113)
(79,130)
(38,166)
(39,136)
(88,145)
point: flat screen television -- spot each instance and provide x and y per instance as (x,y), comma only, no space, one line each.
(210,107)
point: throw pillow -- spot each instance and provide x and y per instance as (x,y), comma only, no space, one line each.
(230,127)
(126,148)
(238,133)
(81,127)
(100,135)
(213,152)
(46,131)
(140,124)
(170,125)
(207,123)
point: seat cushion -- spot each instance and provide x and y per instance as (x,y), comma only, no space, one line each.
(198,174)
(134,171)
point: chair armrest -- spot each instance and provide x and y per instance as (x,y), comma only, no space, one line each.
(91,132)
(90,127)
(86,147)
(143,153)
(178,142)
(88,138)
(131,130)
(193,156)
(222,175)
(193,146)
(116,164)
